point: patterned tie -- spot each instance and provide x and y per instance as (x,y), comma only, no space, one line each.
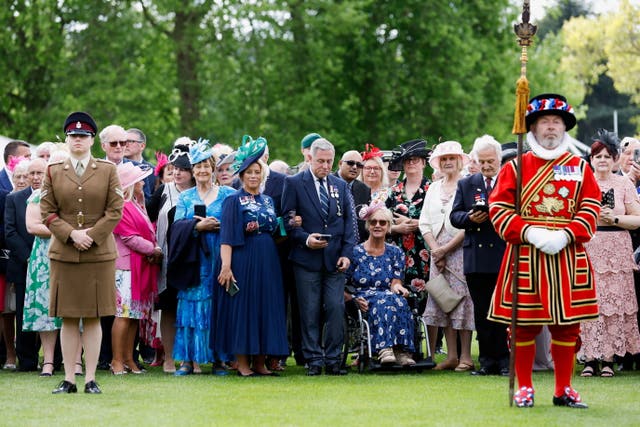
(79,169)
(488,184)
(324,198)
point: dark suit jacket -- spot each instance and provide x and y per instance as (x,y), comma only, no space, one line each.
(300,195)
(361,196)
(5,181)
(18,240)
(482,248)
(273,188)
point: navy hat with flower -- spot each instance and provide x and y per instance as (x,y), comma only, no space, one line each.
(547,104)
(248,153)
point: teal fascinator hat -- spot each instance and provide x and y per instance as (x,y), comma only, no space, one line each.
(199,151)
(248,153)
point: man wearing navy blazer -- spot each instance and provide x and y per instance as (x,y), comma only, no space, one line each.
(15,148)
(19,242)
(321,251)
(482,251)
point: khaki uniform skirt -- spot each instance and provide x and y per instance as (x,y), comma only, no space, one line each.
(85,289)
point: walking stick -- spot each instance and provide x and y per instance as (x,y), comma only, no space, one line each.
(525,31)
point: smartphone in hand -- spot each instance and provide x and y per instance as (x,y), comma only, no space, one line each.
(325,237)
(233,288)
(200,210)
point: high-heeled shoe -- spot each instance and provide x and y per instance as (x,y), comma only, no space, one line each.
(44,373)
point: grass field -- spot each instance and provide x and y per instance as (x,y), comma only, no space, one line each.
(401,399)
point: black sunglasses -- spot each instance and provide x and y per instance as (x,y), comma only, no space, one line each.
(115,143)
(353,163)
(381,222)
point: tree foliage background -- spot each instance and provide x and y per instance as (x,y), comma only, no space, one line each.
(358,71)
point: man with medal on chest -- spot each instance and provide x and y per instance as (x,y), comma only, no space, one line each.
(560,202)
(320,252)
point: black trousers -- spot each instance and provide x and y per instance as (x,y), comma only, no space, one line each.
(492,336)
(27,343)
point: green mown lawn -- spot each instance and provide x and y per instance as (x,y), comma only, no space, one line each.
(399,399)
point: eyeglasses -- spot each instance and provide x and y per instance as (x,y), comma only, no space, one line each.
(382,222)
(353,163)
(372,169)
(115,143)
(133,141)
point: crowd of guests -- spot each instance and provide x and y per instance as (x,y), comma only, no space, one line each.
(213,255)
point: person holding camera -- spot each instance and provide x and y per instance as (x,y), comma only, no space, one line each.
(611,254)
(198,213)
(482,252)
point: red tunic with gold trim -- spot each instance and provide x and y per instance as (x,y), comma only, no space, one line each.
(556,194)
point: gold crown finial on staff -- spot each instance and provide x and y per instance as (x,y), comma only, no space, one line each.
(525,32)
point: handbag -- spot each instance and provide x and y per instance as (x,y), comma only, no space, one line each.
(439,289)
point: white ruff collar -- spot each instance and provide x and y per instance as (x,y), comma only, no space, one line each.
(545,154)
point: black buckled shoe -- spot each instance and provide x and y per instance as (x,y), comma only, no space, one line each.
(92,388)
(570,398)
(65,387)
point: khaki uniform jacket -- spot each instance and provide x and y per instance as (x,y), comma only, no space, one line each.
(82,282)
(93,201)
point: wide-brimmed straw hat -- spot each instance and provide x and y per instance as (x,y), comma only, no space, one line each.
(447,148)
(129,174)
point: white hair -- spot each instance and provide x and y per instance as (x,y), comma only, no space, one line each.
(486,142)
(321,144)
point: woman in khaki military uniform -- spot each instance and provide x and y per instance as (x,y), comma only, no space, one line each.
(81,204)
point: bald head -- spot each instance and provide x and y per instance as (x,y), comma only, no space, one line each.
(350,165)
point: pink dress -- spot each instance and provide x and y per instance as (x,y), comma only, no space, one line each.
(611,255)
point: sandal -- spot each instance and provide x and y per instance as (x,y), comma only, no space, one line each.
(464,366)
(607,370)
(447,365)
(588,371)
(184,369)
(47,374)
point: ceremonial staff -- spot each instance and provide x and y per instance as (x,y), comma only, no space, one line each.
(525,32)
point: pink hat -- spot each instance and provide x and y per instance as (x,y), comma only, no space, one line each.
(447,148)
(129,174)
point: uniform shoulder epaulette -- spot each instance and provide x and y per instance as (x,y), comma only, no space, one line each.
(59,162)
(105,161)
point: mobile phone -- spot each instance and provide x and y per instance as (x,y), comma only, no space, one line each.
(483,208)
(324,236)
(233,288)
(636,155)
(200,210)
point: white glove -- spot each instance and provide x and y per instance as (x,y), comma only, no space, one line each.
(556,241)
(537,236)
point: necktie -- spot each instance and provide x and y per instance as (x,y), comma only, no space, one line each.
(488,184)
(79,169)
(324,199)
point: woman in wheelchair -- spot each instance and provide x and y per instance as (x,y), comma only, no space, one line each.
(376,274)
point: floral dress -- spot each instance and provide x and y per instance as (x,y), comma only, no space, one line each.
(36,299)
(389,315)
(615,332)
(415,249)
